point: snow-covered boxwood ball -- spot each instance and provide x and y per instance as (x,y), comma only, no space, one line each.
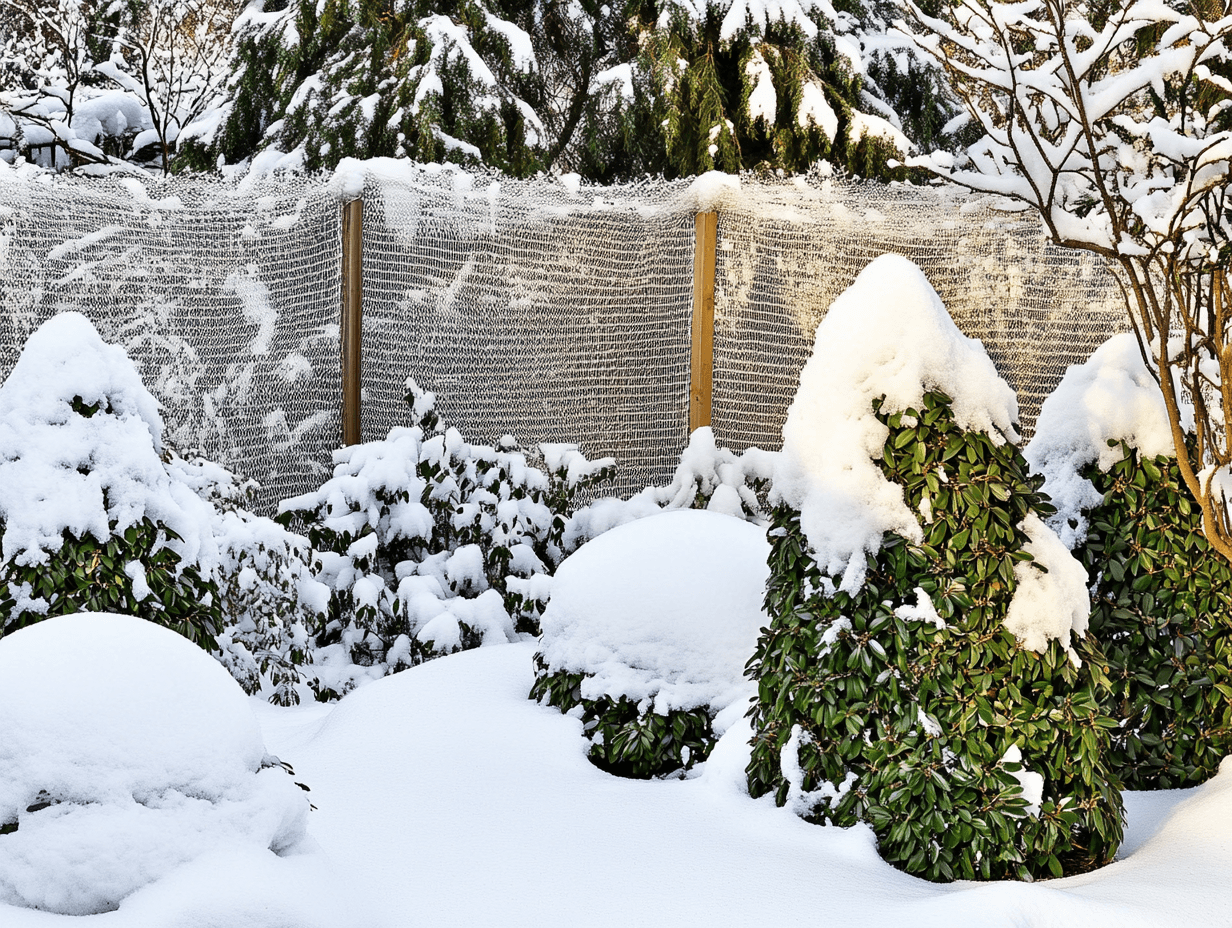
(1160,595)
(431,544)
(646,635)
(163,764)
(926,668)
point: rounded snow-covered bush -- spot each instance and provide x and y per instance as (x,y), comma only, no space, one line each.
(926,668)
(90,517)
(1161,598)
(647,631)
(125,752)
(431,544)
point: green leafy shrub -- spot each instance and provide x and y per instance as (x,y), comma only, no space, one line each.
(627,739)
(908,703)
(1161,602)
(133,572)
(430,544)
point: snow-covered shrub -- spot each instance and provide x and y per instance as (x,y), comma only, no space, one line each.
(921,671)
(94,518)
(1160,595)
(431,544)
(91,518)
(269,597)
(126,753)
(707,477)
(646,636)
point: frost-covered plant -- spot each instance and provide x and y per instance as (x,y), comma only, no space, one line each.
(1159,592)
(431,544)
(91,519)
(1113,121)
(646,635)
(270,600)
(926,668)
(94,518)
(707,477)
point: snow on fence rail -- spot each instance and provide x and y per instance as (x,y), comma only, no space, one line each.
(541,309)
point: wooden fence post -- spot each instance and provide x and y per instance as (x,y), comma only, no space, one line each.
(352,318)
(701,360)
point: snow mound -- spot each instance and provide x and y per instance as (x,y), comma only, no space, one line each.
(888,335)
(126,751)
(1112,397)
(667,608)
(1049,603)
(80,438)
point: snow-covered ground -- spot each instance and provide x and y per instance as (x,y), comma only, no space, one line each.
(444,797)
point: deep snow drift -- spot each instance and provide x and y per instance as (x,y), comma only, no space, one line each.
(126,751)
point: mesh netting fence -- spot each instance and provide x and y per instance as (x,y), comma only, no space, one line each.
(225,298)
(532,308)
(786,250)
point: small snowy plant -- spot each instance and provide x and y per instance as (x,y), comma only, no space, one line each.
(1160,595)
(926,668)
(91,518)
(97,516)
(430,544)
(707,477)
(646,636)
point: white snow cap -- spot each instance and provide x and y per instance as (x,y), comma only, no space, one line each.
(1048,605)
(887,335)
(667,608)
(142,752)
(1112,397)
(61,469)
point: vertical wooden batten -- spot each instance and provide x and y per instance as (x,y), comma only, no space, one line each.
(701,365)
(352,318)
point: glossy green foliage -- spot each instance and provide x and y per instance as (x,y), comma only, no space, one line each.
(1161,605)
(86,575)
(908,720)
(626,741)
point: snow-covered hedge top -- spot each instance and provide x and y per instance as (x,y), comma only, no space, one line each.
(667,608)
(80,438)
(888,335)
(1112,397)
(102,708)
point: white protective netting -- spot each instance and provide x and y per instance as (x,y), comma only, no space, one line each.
(225,298)
(786,249)
(539,309)
(534,309)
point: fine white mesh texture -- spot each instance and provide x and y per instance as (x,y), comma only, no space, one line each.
(533,311)
(531,308)
(226,300)
(787,249)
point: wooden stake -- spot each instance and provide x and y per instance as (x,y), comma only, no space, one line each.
(352,318)
(702,355)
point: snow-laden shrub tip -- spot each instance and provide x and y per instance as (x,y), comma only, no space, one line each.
(647,633)
(707,477)
(926,668)
(101,796)
(1160,595)
(430,544)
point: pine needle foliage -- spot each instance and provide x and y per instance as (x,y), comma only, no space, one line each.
(869,712)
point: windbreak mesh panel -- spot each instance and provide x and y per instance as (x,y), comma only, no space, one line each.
(787,250)
(532,311)
(226,300)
